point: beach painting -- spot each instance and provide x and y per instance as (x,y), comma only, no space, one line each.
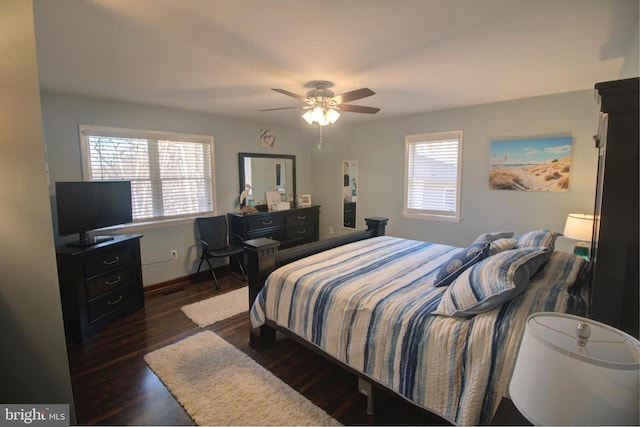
(533,164)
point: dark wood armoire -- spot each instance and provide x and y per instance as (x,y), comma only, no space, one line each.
(614,296)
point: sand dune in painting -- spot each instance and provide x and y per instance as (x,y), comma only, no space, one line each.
(549,176)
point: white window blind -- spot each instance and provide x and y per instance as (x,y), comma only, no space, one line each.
(432,181)
(171,174)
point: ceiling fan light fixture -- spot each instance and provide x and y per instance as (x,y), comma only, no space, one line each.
(323,106)
(322,116)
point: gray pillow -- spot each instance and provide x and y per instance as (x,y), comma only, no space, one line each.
(491,282)
(501,245)
(545,239)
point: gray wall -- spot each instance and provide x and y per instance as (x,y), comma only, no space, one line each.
(379,148)
(33,359)
(63,113)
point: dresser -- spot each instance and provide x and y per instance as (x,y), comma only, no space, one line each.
(98,284)
(291,227)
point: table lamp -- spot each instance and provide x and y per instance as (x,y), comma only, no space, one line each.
(576,371)
(579,227)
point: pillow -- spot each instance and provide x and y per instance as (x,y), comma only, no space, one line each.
(501,245)
(459,261)
(490,237)
(538,239)
(491,282)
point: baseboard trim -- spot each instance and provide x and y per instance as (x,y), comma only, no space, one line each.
(172,285)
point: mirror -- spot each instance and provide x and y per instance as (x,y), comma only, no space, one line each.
(267,172)
(349,193)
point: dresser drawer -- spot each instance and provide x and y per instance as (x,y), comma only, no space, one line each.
(261,223)
(301,234)
(109,281)
(107,260)
(115,300)
(301,217)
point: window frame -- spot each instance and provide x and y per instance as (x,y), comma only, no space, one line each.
(432,138)
(86,131)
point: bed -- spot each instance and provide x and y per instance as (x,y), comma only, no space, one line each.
(436,324)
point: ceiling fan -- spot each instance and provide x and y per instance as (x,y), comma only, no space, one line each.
(324,106)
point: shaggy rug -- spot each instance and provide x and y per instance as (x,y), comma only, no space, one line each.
(212,310)
(217,384)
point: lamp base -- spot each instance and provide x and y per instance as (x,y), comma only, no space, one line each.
(582,250)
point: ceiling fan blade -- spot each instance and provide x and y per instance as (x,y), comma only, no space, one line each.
(284,108)
(291,94)
(353,95)
(357,109)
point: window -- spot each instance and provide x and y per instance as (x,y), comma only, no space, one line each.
(433,175)
(171,174)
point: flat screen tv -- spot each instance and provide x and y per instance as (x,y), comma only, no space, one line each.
(88,205)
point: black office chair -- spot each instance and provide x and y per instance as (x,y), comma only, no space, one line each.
(214,237)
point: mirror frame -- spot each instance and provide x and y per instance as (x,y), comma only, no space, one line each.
(348,177)
(242,156)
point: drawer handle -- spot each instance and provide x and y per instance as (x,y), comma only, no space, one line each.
(302,217)
(115,301)
(302,231)
(111,261)
(267,222)
(113,282)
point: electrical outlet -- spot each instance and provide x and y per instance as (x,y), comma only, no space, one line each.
(174,254)
(330,230)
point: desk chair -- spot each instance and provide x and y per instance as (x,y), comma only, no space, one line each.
(214,237)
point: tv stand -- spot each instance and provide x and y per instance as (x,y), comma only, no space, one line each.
(86,240)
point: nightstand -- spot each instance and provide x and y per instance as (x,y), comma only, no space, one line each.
(508,415)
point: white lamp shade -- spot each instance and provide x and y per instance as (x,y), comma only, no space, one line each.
(332,115)
(317,114)
(308,116)
(554,383)
(579,227)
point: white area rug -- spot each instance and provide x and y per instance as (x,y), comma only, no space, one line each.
(217,384)
(209,311)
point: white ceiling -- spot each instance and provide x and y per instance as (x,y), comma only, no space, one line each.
(223,56)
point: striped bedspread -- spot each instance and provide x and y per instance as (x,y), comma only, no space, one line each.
(368,304)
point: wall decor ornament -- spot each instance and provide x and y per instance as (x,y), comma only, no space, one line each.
(530,164)
(267,138)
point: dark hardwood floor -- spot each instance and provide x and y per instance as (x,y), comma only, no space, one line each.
(113,385)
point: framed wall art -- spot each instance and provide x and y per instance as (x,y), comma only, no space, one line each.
(530,164)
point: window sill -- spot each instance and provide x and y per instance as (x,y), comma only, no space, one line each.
(148,225)
(428,217)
